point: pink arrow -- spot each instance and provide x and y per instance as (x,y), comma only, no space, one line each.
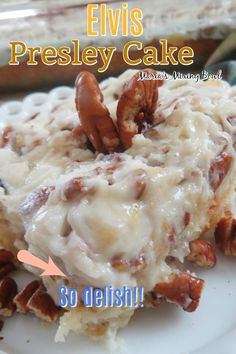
(49,268)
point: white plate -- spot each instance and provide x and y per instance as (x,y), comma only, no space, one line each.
(165,330)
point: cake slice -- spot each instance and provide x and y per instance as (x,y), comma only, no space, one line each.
(123,193)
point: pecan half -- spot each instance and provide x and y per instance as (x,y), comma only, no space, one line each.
(225,234)
(202,253)
(184,289)
(8,290)
(136,107)
(94,115)
(219,169)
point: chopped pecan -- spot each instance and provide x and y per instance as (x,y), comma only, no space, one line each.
(141,178)
(8,290)
(183,289)
(202,253)
(219,169)
(73,188)
(136,107)
(34,297)
(6,136)
(172,235)
(22,298)
(43,305)
(35,200)
(6,256)
(6,269)
(115,161)
(98,329)
(76,187)
(187,218)
(94,115)
(222,142)
(154,300)
(151,133)
(7,262)
(121,264)
(225,234)
(232,120)
(77,132)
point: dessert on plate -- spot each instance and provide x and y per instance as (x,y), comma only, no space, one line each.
(121,184)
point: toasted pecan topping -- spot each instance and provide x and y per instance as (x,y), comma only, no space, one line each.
(77,132)
(94,115)
(6,136)
(76,187)
(151,133)
(8,289)
(35,200)
(6,269)
(183,289)
(140,178)
(225,234)
(43,305)
(187,218)
(202,253)
(154,300)
(172,235)
(73,188)
(115,161)
(219,169)
(22,298)
(7,262)
(232,120)
(221,141)
(6,256)
(122,264)
(97,329)
(135,111)
(136,107)
(34,297)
